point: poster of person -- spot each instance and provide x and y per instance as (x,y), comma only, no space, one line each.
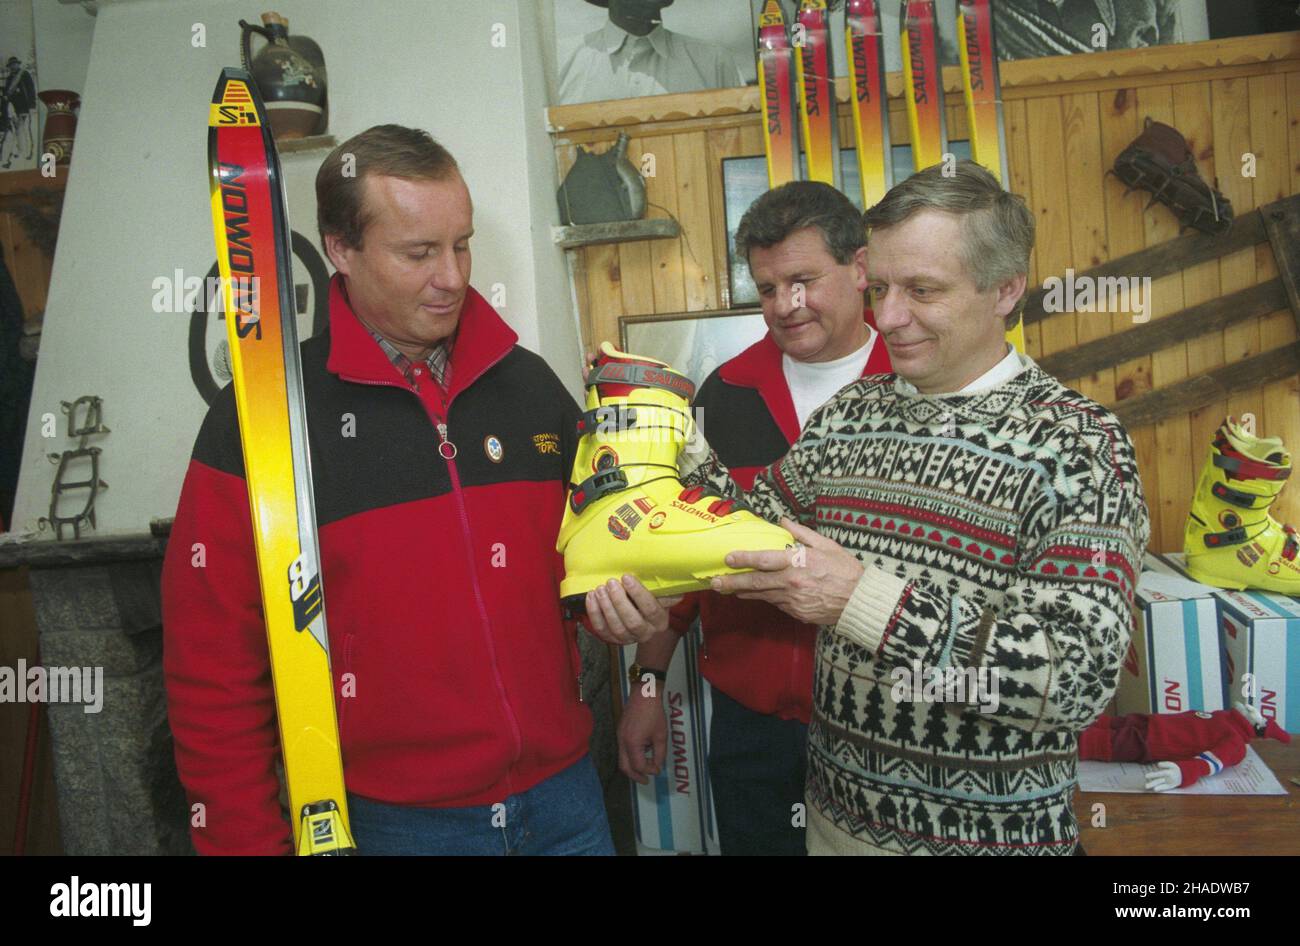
(19,134)
(616,49)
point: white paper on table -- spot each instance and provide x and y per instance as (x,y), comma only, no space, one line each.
(1175,586)
(1250,777)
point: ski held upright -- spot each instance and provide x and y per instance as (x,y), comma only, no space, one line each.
(251,230)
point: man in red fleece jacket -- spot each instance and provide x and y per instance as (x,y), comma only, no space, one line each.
(806,248)
(440,453)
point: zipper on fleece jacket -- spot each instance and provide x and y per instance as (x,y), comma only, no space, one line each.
(440,425)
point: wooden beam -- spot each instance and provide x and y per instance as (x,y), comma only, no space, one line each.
(590,234)
(1165,258)
(1195,393)
(1111,350)
(1282,224)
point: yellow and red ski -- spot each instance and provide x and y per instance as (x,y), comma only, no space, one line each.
(775,56)
(977,43)
(863,35)
(251,228)
(817,117)
(923,83)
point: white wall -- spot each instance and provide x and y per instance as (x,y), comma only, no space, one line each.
(63,35)
(137,205)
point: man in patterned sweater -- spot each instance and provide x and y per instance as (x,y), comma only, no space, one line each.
(972,535)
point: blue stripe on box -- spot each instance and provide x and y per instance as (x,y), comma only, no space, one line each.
(663,806)
(1292,677)
(1150,634)
(1192,646)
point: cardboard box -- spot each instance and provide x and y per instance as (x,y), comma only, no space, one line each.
(1175,661)
(673,812)
(1261,637)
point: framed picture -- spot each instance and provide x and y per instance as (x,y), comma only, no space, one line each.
(744,180)
(694,343)
(19,120)
(650,47)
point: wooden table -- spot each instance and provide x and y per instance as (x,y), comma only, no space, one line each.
(1157,823)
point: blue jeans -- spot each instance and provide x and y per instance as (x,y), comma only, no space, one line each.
(564,814)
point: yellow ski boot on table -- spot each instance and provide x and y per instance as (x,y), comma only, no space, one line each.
(1230,539)
(628,513)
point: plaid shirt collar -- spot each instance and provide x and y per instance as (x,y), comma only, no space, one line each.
(438,360)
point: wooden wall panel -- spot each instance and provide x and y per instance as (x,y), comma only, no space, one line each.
(1228,97)
(1084,186)
(1169,490)
(1193,116)
(1051,212)
(28,267)
(695,212)
(1120,121)
(636,273)
(665,255)
(1014,118)
(1230,102)
(19,642)
(1269,120)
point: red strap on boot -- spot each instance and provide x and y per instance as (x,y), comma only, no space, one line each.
(1244,469)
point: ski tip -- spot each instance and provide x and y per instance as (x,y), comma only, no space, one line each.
(235,100)
(771,15)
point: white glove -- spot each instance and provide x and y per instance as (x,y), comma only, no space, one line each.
(1251,713)
(1163,777)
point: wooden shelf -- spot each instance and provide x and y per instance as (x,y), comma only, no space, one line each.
(589,234)
(310,143)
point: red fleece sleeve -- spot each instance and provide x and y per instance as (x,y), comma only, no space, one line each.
(683,614)
(1228,751)
(220,700)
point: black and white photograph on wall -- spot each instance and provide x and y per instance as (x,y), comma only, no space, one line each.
(18,113)
(617,49)
(1251,17)
(1028,29)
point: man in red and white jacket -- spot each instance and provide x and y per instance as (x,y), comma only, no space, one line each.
(440,454)
(805,244)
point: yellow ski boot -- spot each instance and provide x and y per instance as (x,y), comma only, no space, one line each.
(1230,539)
(628,513)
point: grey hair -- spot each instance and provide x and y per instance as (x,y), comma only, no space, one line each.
(997,226)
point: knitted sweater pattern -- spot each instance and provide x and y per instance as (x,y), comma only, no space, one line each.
(1002,534)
